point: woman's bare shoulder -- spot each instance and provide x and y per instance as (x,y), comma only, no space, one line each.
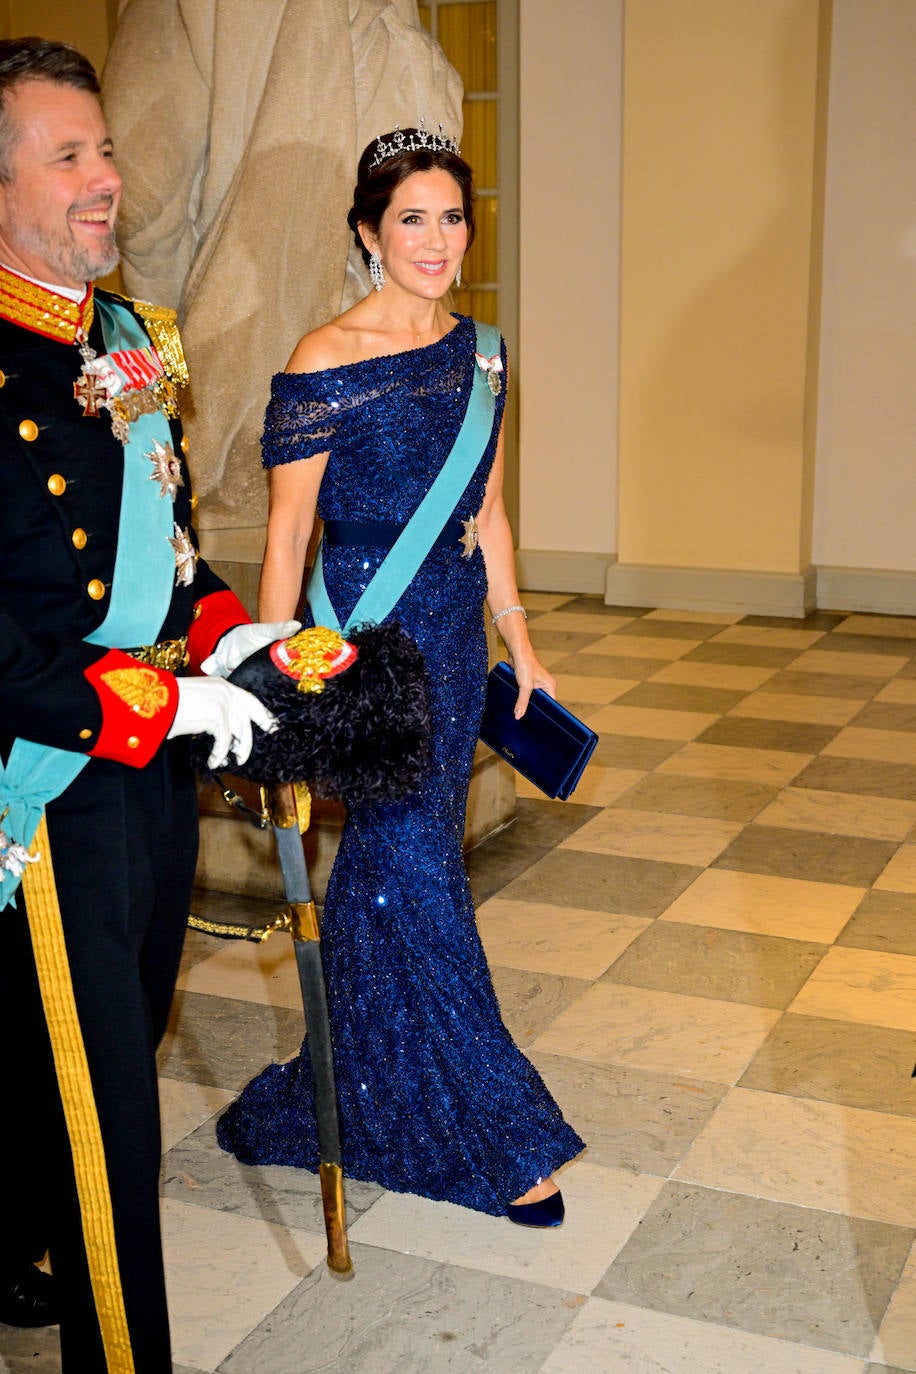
(330,345)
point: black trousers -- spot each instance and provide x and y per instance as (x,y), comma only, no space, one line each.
(124,846)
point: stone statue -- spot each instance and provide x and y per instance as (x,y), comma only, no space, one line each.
(237,127)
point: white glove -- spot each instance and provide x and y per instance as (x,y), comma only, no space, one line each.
(242,641)
(212,706)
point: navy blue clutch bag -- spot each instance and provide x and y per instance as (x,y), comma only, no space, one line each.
(549,745)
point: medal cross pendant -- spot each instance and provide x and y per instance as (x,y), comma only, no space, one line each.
(90,393)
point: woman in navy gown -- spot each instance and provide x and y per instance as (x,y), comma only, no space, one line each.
(434,1096)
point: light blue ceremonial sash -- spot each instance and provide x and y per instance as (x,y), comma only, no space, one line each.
(414,542)
(141,592)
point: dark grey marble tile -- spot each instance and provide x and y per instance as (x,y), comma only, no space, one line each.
(746,732)
(670,629)
(29,1352)
(630,1120)
(807,854)
(223,1042)
(530,1002)
(884,921)
(868,777)
(886,715)
(631,751)
(908,670)
(594,605)
(730,965)
(790,1272)
(717,798)
(891,645)
(568,641)
(413,1315)
(836,1061)
(196,1170)
(742,655)
(603,882)
(607,665)
(493,864)
(197,946)
(823,685)
(817,620)
(670,696)
(545,822)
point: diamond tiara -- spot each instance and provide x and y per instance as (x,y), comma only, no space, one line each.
(421,137)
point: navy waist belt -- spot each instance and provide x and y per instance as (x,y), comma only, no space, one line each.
(383,534)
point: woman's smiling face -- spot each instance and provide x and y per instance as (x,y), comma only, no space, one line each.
(423,234)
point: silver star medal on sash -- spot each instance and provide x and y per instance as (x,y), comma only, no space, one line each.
(185,557)
(166,469)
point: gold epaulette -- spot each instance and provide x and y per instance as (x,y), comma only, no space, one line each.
(162,325)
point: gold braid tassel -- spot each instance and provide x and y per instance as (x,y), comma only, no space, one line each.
(162,327)
(78,1100)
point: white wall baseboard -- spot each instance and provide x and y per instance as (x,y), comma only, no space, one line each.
(882,591)
(557,570)
(711,589)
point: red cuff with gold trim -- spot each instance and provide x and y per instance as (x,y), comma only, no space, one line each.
(213,616)
(138,706)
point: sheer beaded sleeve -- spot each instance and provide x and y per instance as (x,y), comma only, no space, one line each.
(308,413)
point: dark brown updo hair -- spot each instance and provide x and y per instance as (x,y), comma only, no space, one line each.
(374,188)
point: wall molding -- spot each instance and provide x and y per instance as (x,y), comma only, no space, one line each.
(711,589)
(882,591)
(558,570)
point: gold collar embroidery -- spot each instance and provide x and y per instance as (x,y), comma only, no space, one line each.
(43,311)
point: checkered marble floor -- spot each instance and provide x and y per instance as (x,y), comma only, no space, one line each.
(710,955)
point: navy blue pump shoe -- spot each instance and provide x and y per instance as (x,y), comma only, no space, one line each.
(548,1212)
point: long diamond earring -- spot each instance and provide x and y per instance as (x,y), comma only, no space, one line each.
(458,276)
(376,271)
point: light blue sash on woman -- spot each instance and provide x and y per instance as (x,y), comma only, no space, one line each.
(416,539)
(141,593)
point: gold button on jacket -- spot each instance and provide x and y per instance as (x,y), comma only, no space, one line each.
(96,589)
(28,430)
(57,484)
(79,538)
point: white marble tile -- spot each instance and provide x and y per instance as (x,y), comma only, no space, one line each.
(854,665)
(901,690)
(899,875)
(667,836)
(185,1106)
(640,646)
(598,786)
(601,691)
(864,985)
(553,939)
(224,1273)
(774,767)
(602,1208)
(649,723)
(769,637)
(896,1340)
(765,905)
(883,746)
(666,1032)
(615,1338)
(731,676)
(840,813)
(814,1154)
(809,710)
(543,601)
(249,972)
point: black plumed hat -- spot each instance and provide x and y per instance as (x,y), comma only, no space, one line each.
(354,714)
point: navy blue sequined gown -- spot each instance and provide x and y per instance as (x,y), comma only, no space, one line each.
(434,1096)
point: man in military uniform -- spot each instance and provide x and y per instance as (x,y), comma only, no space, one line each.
(106,615)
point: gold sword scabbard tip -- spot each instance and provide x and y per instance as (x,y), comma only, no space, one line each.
(331,1177)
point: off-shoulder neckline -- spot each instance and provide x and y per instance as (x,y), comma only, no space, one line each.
(460,320)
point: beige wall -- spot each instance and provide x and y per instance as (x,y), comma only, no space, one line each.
(87,25)
(719,156)
(569,215)
(866,458)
